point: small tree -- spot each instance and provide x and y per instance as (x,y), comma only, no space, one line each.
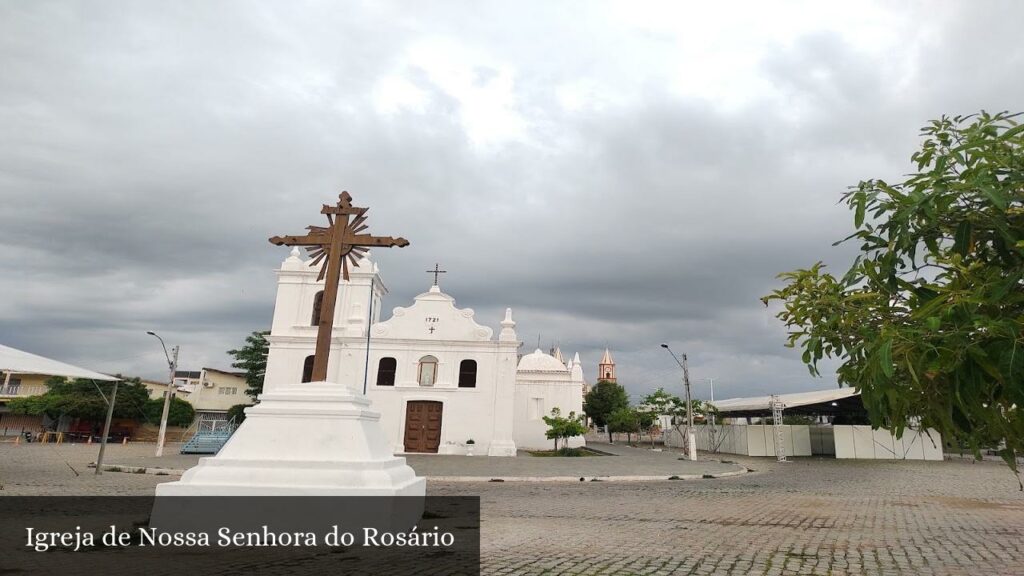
(179,413)
(237,413)
(253,359)
(626,420)
(605,398)
(560,427)
(664,404)
(648,421)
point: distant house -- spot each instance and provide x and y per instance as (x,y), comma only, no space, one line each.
(16,385)
(157,390)
(213,392)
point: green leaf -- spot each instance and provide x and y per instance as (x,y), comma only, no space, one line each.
(860,201)
(885,357)
(962,239)
(982,359)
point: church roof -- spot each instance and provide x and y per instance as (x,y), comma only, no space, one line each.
(607,358)
(540,362)
(557,353)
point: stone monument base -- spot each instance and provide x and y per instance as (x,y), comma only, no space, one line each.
(311,439)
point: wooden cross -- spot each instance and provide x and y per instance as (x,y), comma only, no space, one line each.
(339,243)
(437,270)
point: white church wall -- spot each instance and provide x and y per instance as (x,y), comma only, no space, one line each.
(529,425)
(432,326)
(468,413)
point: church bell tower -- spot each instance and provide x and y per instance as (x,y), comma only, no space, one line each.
(606,368)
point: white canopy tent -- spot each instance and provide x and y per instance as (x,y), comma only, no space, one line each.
(795,400)
(14,361)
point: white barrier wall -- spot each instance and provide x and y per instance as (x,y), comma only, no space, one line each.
(752,440)
(863,443)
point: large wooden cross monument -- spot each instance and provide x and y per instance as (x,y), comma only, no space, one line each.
(336,244)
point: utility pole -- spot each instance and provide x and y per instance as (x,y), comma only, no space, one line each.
(106,429)
(691,439)
(711,412)
(173,364)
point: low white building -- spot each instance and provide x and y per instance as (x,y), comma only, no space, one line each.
(543,383)
(438,378)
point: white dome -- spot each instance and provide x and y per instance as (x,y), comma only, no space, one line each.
(540,362)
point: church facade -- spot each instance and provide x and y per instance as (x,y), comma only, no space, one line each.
(442,382)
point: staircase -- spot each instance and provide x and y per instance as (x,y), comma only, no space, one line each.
(209,439)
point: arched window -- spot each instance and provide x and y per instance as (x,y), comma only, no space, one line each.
(307,369)
(386,372)
(428,371)
(318,301)
(607,374)
(467,374)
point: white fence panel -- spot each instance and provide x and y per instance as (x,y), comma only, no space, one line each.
(863,443)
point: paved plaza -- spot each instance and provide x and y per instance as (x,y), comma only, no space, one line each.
(808,516)
(620,462)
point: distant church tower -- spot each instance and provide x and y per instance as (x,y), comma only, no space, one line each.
(606,368)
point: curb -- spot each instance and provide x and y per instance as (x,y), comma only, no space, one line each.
(662,478)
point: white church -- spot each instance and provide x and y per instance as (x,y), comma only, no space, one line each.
(442,382)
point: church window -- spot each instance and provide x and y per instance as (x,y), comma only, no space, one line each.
(318,301)
(467,374)
(428,371)
(386,371)
(607,374)
(307,369)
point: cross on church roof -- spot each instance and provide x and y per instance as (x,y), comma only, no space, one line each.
(436,271)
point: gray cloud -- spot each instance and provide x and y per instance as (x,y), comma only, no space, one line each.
(619,178)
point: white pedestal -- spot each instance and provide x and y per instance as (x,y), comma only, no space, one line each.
(499,448)
(312,439)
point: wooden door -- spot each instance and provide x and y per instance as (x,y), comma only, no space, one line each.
(422,426)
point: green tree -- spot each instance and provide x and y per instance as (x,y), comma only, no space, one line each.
(605,398)
(927,322)
(566,427)
(648,422)
(237,413)
(661,403)
(624,419)
(179,413)
(253,359)
(82,398)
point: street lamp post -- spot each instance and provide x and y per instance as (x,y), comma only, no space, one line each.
(173,365)
(710,411)
(691,440)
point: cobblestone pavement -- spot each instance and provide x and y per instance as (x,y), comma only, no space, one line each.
(808,516)
(629,461)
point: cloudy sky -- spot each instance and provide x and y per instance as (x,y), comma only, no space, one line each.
(621,173)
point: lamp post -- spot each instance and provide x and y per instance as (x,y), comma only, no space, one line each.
(691,440)
(173,365)
(710,411)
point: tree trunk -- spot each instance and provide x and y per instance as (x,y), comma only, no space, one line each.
(609,429)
